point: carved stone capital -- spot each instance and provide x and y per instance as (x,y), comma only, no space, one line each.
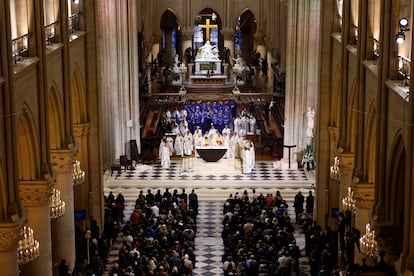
(364,194)
(80,130)
(8,236)
(62,159)
(34,193)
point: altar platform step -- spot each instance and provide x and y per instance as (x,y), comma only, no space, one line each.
(211,181)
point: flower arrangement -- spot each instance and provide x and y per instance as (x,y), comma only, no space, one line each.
(308,158)
(219,140)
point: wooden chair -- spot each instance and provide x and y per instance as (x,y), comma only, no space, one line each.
(125,162)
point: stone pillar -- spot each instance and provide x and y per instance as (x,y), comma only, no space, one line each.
(226,71)
(63,228)
(81,192)
(227,34)
(364,196)
(35,198)
(302,70)
(328,189)
(8,249)
(186,41)
(346,165)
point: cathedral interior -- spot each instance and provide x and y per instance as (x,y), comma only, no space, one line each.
(85,82)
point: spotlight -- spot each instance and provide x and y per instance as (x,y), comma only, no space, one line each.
(403,24)
(400,37)
(75,1)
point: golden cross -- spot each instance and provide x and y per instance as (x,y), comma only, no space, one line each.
(207,26)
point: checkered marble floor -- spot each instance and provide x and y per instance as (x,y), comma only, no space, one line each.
(208,242)
(225,170)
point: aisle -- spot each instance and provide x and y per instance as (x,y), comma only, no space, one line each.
(208,242)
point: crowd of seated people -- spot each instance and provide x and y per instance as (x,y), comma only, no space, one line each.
(158,239)
(258,236)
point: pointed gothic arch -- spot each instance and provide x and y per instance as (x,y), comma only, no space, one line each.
(56,119)
(28,157)
(395,186)
(170,38)
(200,34)
(244,42)
(79,114)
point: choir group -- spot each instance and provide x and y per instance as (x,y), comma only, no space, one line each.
(200,124)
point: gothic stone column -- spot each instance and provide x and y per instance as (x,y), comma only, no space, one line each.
(63,228)
(346,165)
(35,198)
(8,249)
(364,196)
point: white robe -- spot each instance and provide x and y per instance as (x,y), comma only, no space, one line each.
(178,145)
(226,143)
(188,144)
(252,123)
(248,158)
(170,142)
(165,155)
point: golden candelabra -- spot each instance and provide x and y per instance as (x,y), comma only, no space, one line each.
(368,242)
(28,249)
(335,171)
(348,202)
(78,175)
(57,206)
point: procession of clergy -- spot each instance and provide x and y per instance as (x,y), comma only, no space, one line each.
(204,125)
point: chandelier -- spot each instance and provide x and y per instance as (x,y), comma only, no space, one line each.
(78,175)
(335,171)
(28,249)
(348,202)
(57,206)
(368,242)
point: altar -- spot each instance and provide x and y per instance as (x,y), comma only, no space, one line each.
(204,67)
(211,153)
(203,79)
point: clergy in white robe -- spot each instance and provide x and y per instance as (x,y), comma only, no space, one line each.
(170,141)
(198,140)
(252,123)
(237,124)
(164,154)
(226,130)
(226,143)
(248,157)
(188,144)
(179,145)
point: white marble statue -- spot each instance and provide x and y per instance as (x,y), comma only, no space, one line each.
(239,61)
(208,52)
(310,116)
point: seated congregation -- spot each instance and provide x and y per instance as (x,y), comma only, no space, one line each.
(158,239)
